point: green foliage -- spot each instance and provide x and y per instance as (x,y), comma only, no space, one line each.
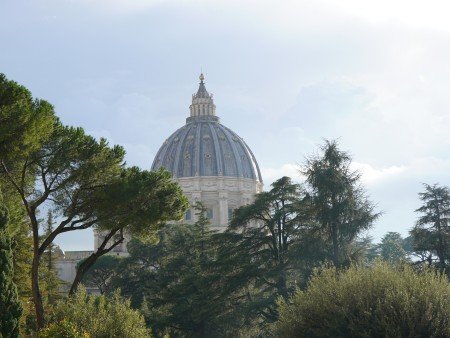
(265,238)
(99,316)
(24,122)
(381,301)
(143,201)
(102,272)
(431,235)
(62,329)
(341,207)
(86,184)
(22,249)
(10,306)
(392,248)
(180,283)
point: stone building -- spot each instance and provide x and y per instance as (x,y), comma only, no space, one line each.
(210,162)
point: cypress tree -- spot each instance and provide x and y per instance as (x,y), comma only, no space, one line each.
(10,307)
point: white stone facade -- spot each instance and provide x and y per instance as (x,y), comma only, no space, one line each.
(221,196)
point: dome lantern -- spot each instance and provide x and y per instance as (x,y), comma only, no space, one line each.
(202,101)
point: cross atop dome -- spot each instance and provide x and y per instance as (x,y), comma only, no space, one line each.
(202,102)
(202,92)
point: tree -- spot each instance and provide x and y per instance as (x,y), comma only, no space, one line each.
(102,272)
(10,306)
(380,301)
(432,232)
(392,248)
(87,184)
(97,316)
(24,122)
(267,242)
(143,202)
(342,209)
(179,282)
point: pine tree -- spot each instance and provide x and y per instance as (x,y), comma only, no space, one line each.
(432,231)
(269,231)
(10,306)
(392,248)
(343,210)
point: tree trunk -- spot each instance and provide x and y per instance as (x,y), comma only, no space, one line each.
(334,238)
(87,264)
(82,270)
(441,248)
(37,297)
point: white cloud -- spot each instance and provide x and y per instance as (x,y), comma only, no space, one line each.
(415,13)
(371,175)
(270,175)
(293,15)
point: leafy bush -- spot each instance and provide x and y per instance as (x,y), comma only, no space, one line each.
(101,317)
(381,301)
(62,329)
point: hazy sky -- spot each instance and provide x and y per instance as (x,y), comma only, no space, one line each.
(285,75)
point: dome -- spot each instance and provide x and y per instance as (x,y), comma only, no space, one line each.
(205,147)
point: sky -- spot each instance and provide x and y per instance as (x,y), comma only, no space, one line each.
(285,76)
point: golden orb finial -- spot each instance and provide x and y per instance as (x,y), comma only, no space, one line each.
(201,77)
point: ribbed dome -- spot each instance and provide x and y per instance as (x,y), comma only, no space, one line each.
(204,147)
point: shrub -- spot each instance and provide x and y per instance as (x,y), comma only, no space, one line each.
(62,329)
(101,317)
(381,301)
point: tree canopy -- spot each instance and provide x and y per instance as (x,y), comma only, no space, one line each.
(83,180)
(431,234)
(342,208)
(380,301)
(178,282)
(24,121)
